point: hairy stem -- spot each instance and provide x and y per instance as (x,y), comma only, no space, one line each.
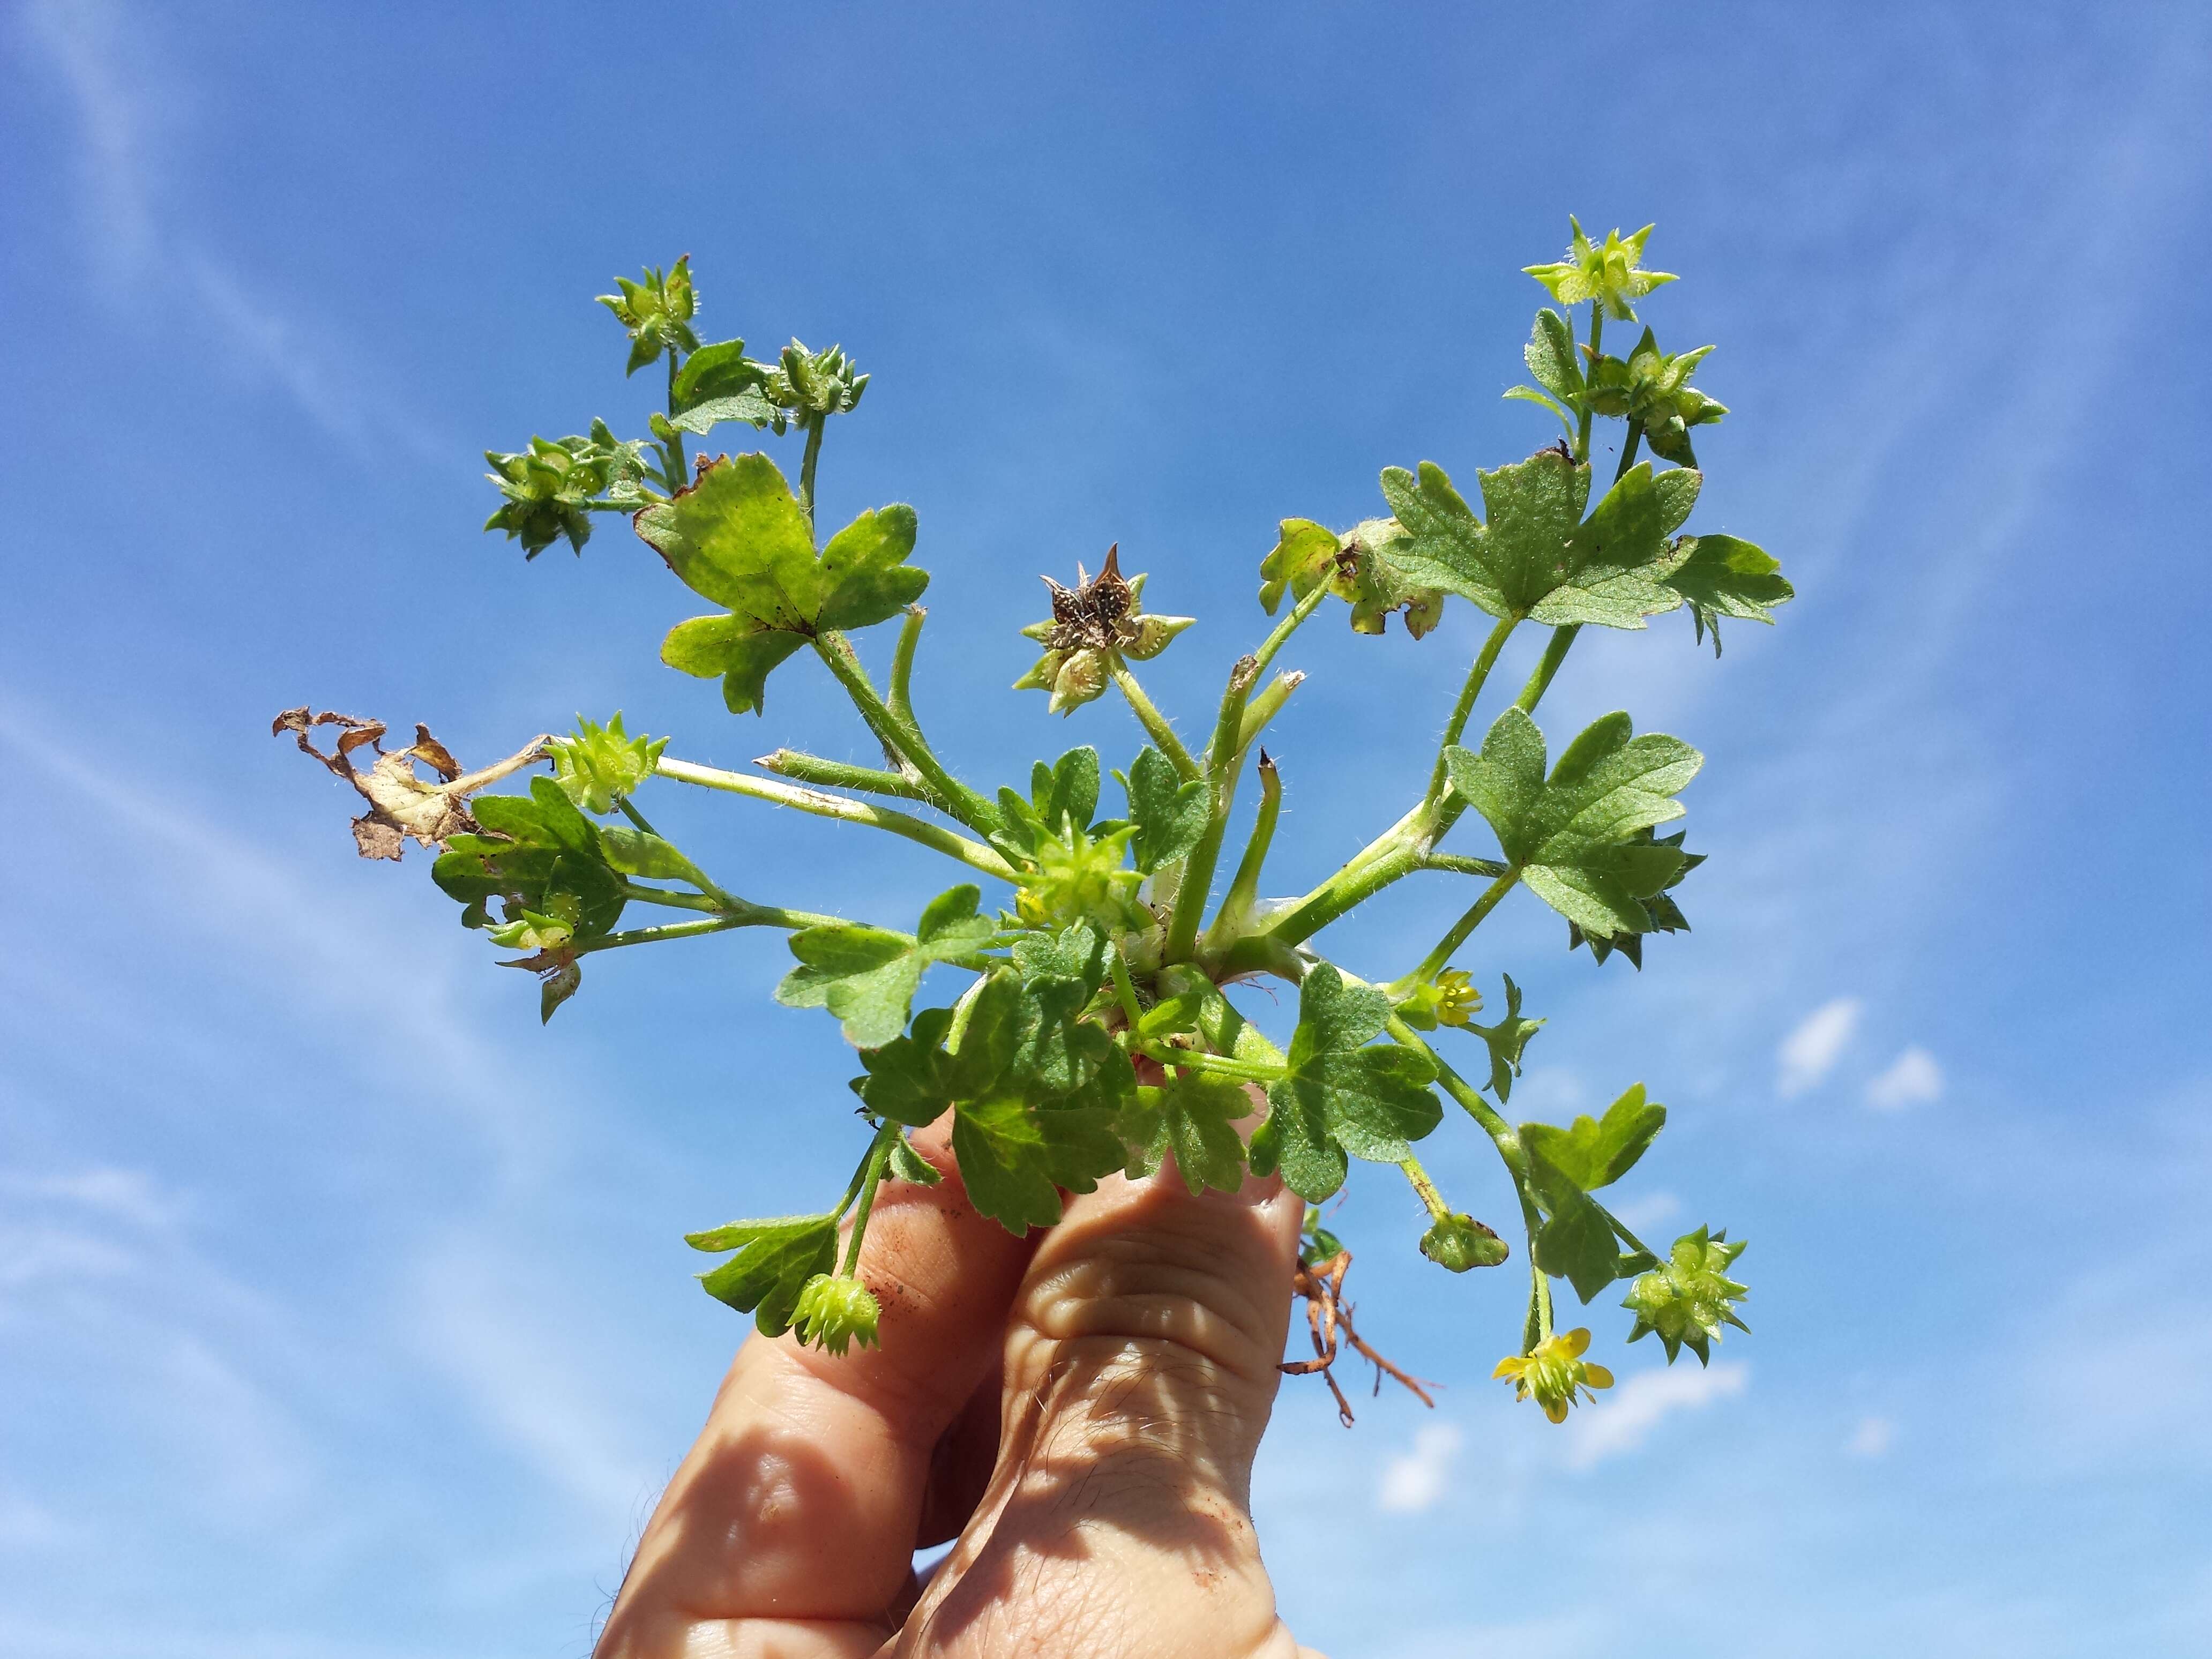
(1221,769)
(814,431)
(909,640)
(1468,694)
(1540,678)
(1124,989)
(1156,725)
(1439,958)
(973,853)
(1266,706)
(655,935)
(871,1176)
(1244,887)
(955,797)
(1590,368)
(1425,1188)
(1192,1059)
(1458,865)
(841,774)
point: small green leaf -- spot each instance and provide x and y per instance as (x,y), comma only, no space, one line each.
(1590,1153)
(1551,357)
(1167,814)
(775,1259)
(1507,1039)
(1065,795)
(908,1164)
(866,976)
(1577,1244)
(1720,576)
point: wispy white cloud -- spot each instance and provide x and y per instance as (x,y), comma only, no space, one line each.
(1913,1079)
(102,57)
(1416,1481)
(1871,1437)
(1810,1052)
(1626,1416)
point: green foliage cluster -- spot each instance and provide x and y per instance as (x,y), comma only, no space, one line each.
(1085,1032)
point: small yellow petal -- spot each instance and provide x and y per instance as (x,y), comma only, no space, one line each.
(1556,1410)
(1575,1342)
(1597,1376)
(1512,1365)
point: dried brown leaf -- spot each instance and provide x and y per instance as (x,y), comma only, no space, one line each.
(403,806)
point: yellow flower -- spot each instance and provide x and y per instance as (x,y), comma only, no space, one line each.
(1553,1370)
(1456,997)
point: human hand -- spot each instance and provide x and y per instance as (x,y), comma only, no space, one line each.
(1079,1408)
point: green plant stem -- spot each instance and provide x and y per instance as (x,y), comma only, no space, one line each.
(637,892)
(1590,370)
(1439,958)
(956,798)
(1468,694)
(675,445)
(1266,706)
(637,818)
(1156,725)
(1458,865)
(1540,678)
(1515,1157)
(879,1153)
(655,935)
(1425,1188)
(841,774)
(1191,1060)
(1244,887)
(910,640)
(1222,755)
(1124,989)
(814,431)
(1628,450)
(972,853)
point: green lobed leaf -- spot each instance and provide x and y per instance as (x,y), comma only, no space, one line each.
(1720,576)
(775,1259)
(1537,557)
(1507,1039)
(866,976)
(1590,1152)
(740,537)
(1341,1097)
(1065,794)
(1016,1156)
(1572,836)
(1194,1117)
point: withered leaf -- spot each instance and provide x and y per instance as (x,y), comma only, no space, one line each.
(402,805)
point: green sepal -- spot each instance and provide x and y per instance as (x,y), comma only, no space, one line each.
(601,764)
(1690,1297)
(908,1164)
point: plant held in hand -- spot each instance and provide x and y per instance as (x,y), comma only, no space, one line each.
(1091,1034)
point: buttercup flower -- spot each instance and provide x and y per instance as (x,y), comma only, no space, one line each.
(1553,1370)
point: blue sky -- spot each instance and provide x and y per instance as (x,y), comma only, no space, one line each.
(343,1310)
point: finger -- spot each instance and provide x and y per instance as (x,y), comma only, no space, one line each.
(1140,1373)
(790,1527)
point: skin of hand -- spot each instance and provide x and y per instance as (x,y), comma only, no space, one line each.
(1080,1409)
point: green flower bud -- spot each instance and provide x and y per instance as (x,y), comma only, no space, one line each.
(813,386)
(833,1313)
(1553,1371)
(1078,878)
(1688,1297)
(533,930)
(1610,272)
(603,764)
(1457,1243)
(552,488)
(657,312)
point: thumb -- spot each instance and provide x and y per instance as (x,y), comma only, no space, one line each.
(1139,1375)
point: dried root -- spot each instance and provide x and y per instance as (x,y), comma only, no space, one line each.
(1328,1317)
